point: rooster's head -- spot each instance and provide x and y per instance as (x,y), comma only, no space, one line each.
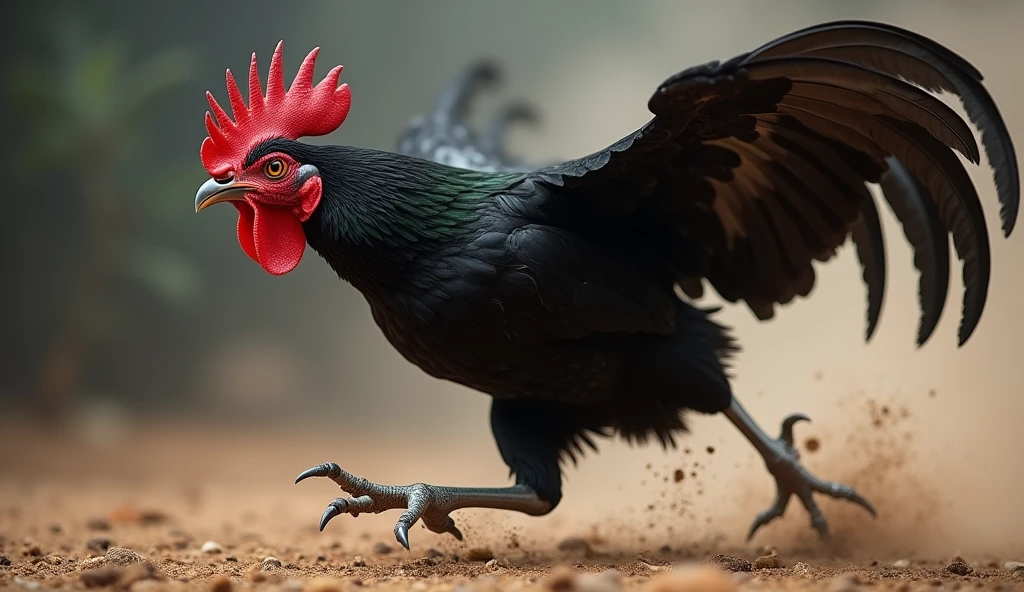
(273,192)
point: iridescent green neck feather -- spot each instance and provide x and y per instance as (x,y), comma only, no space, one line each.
(381,212)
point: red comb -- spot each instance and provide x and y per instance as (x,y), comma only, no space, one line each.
(304,110)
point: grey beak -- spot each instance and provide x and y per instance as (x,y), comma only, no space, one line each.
(214,191)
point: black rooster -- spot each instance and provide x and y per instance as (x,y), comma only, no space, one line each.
(553,289)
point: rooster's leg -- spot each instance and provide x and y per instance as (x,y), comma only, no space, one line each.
(791,478)
(431,503)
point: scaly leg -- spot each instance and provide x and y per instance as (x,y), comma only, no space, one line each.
(530,438)
(791,478)
(431,503)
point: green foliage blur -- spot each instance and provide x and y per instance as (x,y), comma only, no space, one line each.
(91,103)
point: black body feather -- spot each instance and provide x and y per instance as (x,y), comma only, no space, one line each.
(553,290)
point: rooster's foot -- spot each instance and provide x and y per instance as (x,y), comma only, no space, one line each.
(791,478)
(431,503)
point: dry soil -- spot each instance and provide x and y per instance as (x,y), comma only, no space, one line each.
(156,505)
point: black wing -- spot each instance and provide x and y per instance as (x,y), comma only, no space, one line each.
(444,136)
(753,168)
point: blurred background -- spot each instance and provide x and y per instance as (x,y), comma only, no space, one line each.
(122,308)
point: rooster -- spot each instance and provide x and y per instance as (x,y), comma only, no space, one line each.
(553,289)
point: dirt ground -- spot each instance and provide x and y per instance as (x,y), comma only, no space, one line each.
(154,505)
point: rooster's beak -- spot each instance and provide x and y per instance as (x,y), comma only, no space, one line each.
(214,191)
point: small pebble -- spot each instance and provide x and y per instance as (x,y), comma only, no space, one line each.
(231,558)
(358,561)
(210,547)
(801,569)
(901,563)
(1012,566)
(221,584)
(122,556)
(270,564)
(382,548)
(480,554)
(692,578)
(5,560)
(652,563)
(34,551)
(959,567)
(104,576)
(730,563)
(324,585)
(99,544)
(770,561)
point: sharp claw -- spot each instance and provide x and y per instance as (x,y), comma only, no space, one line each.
(758,523)
(787,426)
(402,534)
(455,532)
(323,470)
(822,527)
(840,491)
(818,521)
(862,502)
(331,511)
(762,519)
(753,530)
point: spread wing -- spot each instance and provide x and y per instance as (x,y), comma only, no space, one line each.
(753,168)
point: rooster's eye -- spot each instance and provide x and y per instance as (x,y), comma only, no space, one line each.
(275,169)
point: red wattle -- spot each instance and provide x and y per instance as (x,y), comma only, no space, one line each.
(271,235)
(246,218)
